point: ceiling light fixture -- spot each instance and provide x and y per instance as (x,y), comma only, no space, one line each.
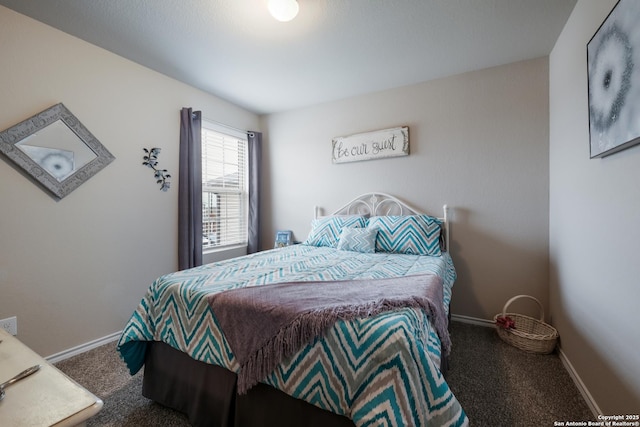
(283,10)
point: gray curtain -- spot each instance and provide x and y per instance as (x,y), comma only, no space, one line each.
(190,190)
(255,156)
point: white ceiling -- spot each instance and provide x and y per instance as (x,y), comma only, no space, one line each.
(333,49)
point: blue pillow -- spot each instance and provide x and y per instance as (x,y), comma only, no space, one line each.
(411,234)
(358,240)
(326,231)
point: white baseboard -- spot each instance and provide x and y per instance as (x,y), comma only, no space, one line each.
(591,403)
(472,320)
(58,357)
(66,354)
(582,388)
(593,406)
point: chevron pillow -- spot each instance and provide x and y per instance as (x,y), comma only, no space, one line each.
(412,234)
(326,231)
(358,240)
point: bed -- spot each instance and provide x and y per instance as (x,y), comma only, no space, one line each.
(382,369)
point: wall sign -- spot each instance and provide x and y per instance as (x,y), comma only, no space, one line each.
(379,144)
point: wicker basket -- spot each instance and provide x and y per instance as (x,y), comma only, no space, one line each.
(529,334)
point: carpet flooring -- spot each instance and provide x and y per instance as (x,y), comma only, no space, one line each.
(496,384)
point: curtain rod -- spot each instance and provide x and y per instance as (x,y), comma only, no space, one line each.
(225,126)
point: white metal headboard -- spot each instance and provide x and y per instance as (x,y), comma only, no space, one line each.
(380,204)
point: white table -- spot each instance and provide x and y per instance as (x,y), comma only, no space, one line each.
(45,398)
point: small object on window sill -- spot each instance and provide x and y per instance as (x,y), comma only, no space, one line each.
(161,175)
(283,238)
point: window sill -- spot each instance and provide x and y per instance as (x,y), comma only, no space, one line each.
(219,254)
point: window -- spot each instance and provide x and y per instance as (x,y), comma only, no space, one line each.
(224,187)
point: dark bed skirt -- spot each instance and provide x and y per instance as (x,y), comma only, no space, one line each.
(207,395)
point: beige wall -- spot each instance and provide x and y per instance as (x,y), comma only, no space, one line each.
(73,270)
(478,142)
(594,231)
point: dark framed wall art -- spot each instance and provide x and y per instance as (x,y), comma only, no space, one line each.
(613,66)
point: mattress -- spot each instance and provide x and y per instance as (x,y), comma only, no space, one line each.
(376,370)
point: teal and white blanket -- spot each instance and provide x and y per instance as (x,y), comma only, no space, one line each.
(380,370)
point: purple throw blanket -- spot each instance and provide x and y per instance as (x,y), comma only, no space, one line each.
(266,324)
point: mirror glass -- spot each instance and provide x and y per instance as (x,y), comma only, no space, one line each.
(55,150)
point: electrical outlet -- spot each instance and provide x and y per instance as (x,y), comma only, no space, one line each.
(10,324)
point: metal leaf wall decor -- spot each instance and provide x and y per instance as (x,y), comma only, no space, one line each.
(161,175)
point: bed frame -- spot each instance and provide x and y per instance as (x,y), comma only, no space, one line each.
(207,393)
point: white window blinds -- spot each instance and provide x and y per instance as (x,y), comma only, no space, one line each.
(224,187)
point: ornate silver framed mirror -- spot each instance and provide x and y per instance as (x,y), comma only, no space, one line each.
(55,149)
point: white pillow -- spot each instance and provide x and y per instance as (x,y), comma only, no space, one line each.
(358,240)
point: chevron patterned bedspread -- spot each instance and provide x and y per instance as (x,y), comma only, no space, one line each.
(382,370)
